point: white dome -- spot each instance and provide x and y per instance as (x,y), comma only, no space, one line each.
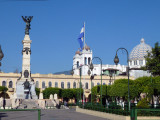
(140,51)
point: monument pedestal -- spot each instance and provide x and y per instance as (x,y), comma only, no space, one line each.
(25,93)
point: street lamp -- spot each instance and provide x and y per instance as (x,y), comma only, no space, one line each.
(91,67)
(80,73)
(116,61)
(110,75)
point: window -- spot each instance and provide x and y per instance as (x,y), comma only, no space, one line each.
(10,84)
(77,64)
(89,61)
(98,83)
(56,84)
(68,85)
(130,62)
(50,84)
(86,85)
(37,84)
(4,83)
(104,83)
(135,62)
(62,85)
(43,84)
(74,85)
(141,62)
(85,61)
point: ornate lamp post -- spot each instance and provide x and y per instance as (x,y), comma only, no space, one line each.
(116,61)
(80,73)
(110,75)
(91,67)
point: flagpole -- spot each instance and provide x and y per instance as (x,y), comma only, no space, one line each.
(84,36)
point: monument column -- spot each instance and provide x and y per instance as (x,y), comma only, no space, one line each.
(26,52)
(25,86)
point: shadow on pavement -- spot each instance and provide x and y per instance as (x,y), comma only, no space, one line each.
(3,115)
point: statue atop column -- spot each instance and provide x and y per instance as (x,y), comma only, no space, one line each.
(27,20)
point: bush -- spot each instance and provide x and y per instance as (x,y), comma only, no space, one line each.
(114,106)
(37,91)
(51,90)
(143,103)
(2,88)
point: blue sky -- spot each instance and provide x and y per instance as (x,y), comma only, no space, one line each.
(56,24)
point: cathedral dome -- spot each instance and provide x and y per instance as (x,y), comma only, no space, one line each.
(78,52)
(140,51)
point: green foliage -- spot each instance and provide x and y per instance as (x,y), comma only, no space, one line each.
(143,103)
(37,91)
(67,93)
(148,85)
(153,60)
(96,92)
(3,88)
(120,89)
(51,90)
(62,93)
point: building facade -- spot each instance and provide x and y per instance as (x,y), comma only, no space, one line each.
(43,81)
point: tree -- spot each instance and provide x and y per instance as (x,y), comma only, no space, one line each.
(96,92)
(120,89)
(153,61)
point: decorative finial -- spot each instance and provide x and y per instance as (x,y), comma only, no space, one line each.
(142,40)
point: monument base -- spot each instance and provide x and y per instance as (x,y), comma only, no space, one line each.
(22,93)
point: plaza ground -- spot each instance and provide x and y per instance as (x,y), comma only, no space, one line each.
(55,114)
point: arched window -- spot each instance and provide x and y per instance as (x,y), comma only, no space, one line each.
(62,85)
(37,84)
(50,84)
(10,84)
(77,64)
(4,83)
(68,85)
(104,83)
(85,61)
(56,84)
(74,85)
(89,61)
(135,62)
(43,84)
(86,85)
(98,83)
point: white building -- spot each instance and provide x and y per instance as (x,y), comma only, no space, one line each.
(136,61)
(83,58)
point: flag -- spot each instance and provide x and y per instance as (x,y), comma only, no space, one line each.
(81,38)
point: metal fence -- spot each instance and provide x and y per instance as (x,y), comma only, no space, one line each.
(144,112)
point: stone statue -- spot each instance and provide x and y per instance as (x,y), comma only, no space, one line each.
(26,84)
(27,20)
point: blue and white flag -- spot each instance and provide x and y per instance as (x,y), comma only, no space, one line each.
(81,38)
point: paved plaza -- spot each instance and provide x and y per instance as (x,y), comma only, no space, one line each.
(56,114)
